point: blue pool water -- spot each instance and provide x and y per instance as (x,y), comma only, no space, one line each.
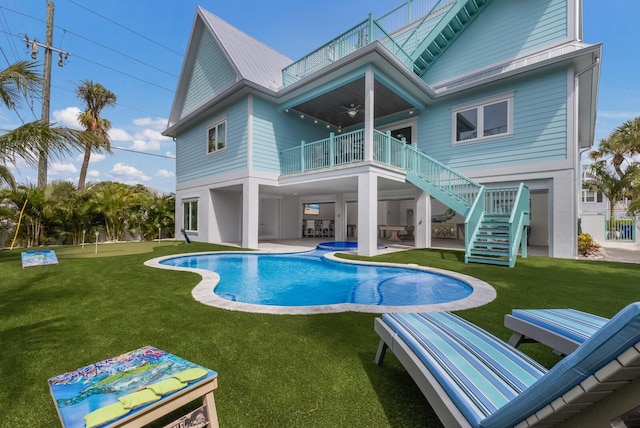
(308,279)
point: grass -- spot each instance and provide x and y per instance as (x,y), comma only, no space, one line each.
(274,370)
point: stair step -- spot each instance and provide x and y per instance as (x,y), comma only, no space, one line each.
(488,252)
(497,246)
(494,229)
(488,260)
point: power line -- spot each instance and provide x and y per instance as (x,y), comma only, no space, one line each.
(110,68)
(126,28)
(94,42)
(122,54)
(143,153)
(123,73)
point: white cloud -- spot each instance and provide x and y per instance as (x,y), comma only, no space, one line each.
(118,134)
(93,173)
(56,168)
(159,123)
(67,117)
(128,172)
(164,173)
(95,157)
(147,138)
(170,155)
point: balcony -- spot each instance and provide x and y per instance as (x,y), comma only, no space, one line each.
(400,31)
(340,150)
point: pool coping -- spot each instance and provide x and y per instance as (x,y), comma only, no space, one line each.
(482,293)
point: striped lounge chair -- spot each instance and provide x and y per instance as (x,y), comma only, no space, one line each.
(473,379)
(561,329)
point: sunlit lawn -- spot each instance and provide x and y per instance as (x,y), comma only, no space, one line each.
(274,370)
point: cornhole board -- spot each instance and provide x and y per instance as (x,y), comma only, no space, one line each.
(39,258)
(80,392)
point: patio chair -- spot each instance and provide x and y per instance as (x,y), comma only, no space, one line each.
(310,228)
(561,329)
(326,228)
(473,379)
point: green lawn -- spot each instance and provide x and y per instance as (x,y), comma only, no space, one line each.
(274,370)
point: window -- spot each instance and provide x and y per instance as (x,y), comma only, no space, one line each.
(591,196)
(190,216)
(483,120)
(217,137)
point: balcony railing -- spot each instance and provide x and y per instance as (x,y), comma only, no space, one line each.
(362,34)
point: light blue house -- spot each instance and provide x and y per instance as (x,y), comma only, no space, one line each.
(476,106)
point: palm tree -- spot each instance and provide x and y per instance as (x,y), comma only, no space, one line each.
(608,183)
(96,97)
(621,145)
(19,81)
(112,201)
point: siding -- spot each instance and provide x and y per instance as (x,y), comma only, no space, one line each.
(192,160)
(274,131)
(211,73)
(503,31)
(539,122)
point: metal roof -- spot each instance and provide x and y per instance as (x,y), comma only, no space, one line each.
(254,60)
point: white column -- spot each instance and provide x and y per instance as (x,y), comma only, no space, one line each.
(369,82)
(250,213)
(367,214)
(423,220)
(340,225)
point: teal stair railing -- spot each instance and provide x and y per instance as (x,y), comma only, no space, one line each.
(476,203)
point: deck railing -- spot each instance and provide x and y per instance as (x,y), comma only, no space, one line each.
(348,148)
(362,34)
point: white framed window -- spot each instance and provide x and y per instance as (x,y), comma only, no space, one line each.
(591,196)
(190,216)
(217,137)
(482,120)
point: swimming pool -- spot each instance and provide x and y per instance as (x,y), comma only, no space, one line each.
(317,281)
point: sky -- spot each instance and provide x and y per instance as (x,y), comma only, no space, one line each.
(135,49)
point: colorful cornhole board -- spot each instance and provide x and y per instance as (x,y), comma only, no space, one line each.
(135,389)
(39,258)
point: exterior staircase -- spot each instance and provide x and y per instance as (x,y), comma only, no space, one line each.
(495,219)
(417,41)
(492,240)
(437,30)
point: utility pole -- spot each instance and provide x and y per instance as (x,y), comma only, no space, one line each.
(46,83)
(46,94)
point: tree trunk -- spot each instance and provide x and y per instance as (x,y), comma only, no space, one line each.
(83,169)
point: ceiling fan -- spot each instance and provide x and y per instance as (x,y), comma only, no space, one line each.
(352,110)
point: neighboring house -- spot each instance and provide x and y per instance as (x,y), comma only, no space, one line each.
(481,106)
(595,216)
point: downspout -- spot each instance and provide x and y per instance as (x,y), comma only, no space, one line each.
(595,62)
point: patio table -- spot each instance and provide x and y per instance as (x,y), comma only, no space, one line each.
(135,389)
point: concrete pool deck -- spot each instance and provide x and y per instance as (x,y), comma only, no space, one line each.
(482,293)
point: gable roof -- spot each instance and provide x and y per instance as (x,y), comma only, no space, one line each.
(250,59)
(253,60)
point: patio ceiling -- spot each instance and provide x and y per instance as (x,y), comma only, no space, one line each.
(331,106)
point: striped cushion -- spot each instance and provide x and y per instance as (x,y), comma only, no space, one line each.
(570,323)
(479,372)
(612,339)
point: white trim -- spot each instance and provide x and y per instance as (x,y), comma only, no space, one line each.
(216,124)
(188,202)
(479,105)
(250,134)
(405,123)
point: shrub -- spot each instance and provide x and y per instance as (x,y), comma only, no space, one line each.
(586,245)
